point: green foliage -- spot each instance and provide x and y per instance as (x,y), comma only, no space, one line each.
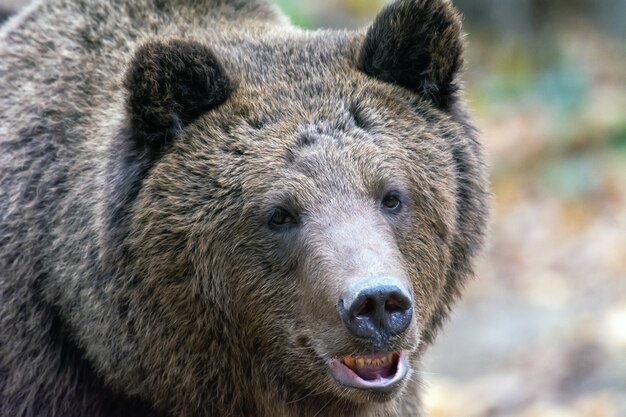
(293,10)
(618,138)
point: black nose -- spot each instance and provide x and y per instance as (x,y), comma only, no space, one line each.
(376,308)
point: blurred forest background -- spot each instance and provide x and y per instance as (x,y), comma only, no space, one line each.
(541,332)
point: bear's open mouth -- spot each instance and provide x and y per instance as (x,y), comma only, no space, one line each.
(377,372)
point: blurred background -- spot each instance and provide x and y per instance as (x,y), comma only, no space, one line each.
(541,332)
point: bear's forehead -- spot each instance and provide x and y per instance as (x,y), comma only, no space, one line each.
(304,171)
(301,112)
(311,77)
(306,153)
(300,57)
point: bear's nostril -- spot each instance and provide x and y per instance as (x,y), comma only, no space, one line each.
(367,308)
(391,305)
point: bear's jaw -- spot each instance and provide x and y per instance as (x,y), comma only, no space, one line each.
(378,372)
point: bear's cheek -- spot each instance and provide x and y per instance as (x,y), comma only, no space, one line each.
(426,251)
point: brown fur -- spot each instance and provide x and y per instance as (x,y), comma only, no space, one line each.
(143,147)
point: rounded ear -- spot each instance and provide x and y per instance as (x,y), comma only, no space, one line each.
(417,44)
(171,83)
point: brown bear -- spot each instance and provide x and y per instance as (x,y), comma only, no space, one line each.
(205,211)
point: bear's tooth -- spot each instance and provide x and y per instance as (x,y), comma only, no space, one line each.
(349,361)
(362,362)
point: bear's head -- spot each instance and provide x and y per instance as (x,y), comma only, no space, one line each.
(290,216)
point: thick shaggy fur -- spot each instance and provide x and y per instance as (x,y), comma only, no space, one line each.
(144,145)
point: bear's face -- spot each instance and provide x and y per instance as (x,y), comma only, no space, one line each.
(303,228)
(281,218)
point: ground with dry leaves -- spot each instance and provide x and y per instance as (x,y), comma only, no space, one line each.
(541,332)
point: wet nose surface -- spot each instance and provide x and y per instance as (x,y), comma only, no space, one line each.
(376,308)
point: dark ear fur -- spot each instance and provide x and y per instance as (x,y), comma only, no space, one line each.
(5,14)
(416,44)
(170,84)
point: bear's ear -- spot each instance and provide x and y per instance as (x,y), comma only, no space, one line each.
(417,44)
(170,84)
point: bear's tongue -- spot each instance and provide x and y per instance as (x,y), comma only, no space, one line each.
(373,367)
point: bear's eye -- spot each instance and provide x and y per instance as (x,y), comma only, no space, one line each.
(281,217)
(391,203)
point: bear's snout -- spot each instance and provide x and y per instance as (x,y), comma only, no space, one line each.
(376,308)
